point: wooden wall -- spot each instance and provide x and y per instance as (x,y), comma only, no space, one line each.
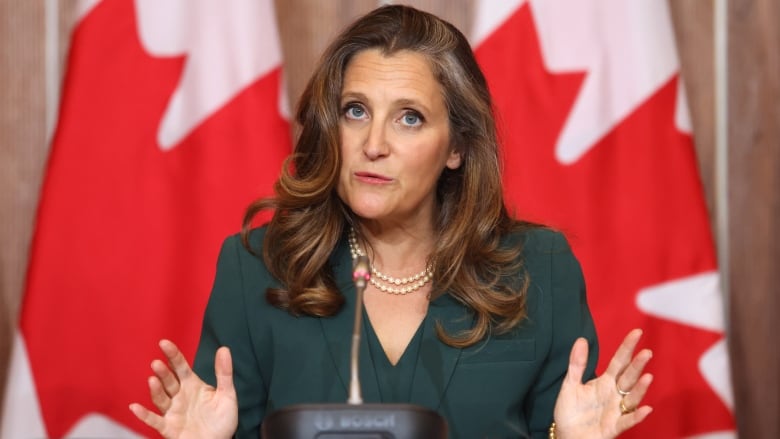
(23,151)
(754,213)
(753,200)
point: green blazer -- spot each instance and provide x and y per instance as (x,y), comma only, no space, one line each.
(503,387)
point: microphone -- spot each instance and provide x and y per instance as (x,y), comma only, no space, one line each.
(360,275)
(355,419)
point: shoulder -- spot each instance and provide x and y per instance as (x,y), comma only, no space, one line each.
(234,248)
(546,255)
(235,256)
(538,240)
(256,238)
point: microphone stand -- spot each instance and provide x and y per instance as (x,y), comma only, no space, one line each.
(360,275)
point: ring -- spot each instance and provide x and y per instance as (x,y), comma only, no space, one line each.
(625,410)
(621,391)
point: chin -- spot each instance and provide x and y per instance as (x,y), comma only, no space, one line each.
(368,207)
(367,212)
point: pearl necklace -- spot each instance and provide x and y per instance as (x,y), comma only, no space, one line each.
(389,284)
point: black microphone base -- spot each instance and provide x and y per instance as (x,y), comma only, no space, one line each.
(363,421)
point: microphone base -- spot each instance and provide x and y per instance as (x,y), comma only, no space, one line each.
(359,421)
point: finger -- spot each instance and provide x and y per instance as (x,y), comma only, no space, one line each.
(638,392)
(630,420)
(578,360)
(623,354)
(147,417)
(223,369)
(169,381)
(631,374)
(176,359)
(160,398)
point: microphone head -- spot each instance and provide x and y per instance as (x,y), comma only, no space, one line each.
(361,272)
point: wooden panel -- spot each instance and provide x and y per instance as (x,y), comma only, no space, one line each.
(22,152)
(693,27)
(754,221)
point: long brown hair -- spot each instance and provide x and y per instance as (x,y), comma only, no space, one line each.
(309,218)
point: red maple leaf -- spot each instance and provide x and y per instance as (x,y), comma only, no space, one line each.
(127,234)
(632,208)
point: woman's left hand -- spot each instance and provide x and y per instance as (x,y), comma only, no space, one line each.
(606,406)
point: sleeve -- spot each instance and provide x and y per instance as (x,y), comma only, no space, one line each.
(569,318)
(225,324)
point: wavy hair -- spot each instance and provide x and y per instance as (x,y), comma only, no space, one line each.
(309,219)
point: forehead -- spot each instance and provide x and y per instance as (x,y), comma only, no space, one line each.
(401,73)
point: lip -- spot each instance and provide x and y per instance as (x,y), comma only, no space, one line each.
(371,178)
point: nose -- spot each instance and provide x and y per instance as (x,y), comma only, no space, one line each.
(376,143)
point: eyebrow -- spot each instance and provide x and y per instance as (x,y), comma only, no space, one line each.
(354,95)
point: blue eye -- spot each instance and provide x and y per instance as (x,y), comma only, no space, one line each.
(355,112)
(411,119)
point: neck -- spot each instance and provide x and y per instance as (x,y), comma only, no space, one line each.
(398,250)
(407,283)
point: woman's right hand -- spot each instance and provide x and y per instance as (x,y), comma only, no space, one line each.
(189,407)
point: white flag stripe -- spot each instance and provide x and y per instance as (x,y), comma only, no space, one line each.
(83,7)
(682,117)
(626,49)
(228,46)
(693,301)
(21,411)
(489,15)
(95,425)
(714,366)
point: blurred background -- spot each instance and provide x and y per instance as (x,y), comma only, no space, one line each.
(738,157)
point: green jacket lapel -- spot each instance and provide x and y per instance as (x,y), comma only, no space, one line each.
(437,360)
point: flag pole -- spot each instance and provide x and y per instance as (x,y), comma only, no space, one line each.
(720,18)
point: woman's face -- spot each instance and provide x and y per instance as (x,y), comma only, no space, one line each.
(395,137)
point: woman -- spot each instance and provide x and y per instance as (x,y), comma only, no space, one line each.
(469,312)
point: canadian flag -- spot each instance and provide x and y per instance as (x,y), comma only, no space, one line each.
(169,126)
(597,143)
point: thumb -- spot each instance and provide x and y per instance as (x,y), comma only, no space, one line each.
(223,369)
(578,360)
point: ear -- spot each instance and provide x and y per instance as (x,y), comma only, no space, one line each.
(454,160)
